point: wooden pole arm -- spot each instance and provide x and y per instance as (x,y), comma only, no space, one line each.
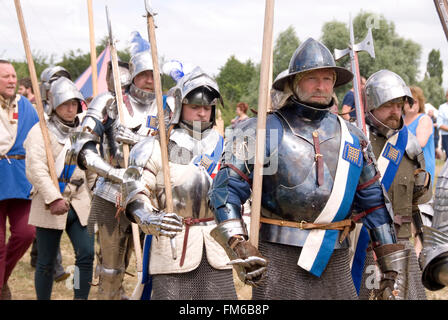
(264,95)
(35,85)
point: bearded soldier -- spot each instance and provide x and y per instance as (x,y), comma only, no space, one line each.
(66,207)
(101,128)
(317,166)
(194,148)
(402,167)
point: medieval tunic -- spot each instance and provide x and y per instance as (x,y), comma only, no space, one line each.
(199,235)
(45,192)
(16,120)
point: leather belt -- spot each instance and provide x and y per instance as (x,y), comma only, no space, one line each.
(13,156)
(188,223)
(345,226)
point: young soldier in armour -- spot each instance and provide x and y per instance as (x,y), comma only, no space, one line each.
(194,149)
(67,207)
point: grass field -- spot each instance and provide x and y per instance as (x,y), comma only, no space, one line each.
(21,281)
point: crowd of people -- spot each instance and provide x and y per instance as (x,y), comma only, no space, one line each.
(336,202)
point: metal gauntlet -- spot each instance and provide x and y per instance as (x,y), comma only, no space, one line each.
(127,136)
(394,263)
(154,222)
(249,264)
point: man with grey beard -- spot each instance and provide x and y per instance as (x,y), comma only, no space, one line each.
(317,167)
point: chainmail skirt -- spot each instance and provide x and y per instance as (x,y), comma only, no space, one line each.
(202,283)
(285,280)
(102,212)
(416,289)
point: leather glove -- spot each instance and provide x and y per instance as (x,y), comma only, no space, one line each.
(161,223)
(127,136)
(59,207)
(251,260)
(116,174)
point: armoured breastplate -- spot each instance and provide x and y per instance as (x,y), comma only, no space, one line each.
(192,182)
(292,193)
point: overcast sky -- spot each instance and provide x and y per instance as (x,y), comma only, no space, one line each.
(205,32)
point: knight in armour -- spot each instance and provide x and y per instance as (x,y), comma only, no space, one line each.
(401,165)
(316,168)
(98,146)
(201,269)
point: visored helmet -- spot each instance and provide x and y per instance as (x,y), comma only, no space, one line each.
(198,88)
(312,55)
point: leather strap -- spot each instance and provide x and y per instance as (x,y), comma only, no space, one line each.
(362,214)
(13,156)
(345,226)
(368,183)
(190,222)
(238,171)
(318,158)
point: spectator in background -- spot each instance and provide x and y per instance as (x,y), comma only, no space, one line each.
(442,124)
(241,111)
(421,125)
(433,117)
(348,111)
(26,89)
(17,117)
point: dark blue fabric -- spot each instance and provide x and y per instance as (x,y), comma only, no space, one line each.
(146,277)
(48,241)
(349,100)
(13,181)
(371,197)
(360,257)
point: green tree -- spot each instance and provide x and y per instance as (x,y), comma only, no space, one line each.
(233,81)
(41,61)
(433,91)
(434,66)
(392,52)
(285,45)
